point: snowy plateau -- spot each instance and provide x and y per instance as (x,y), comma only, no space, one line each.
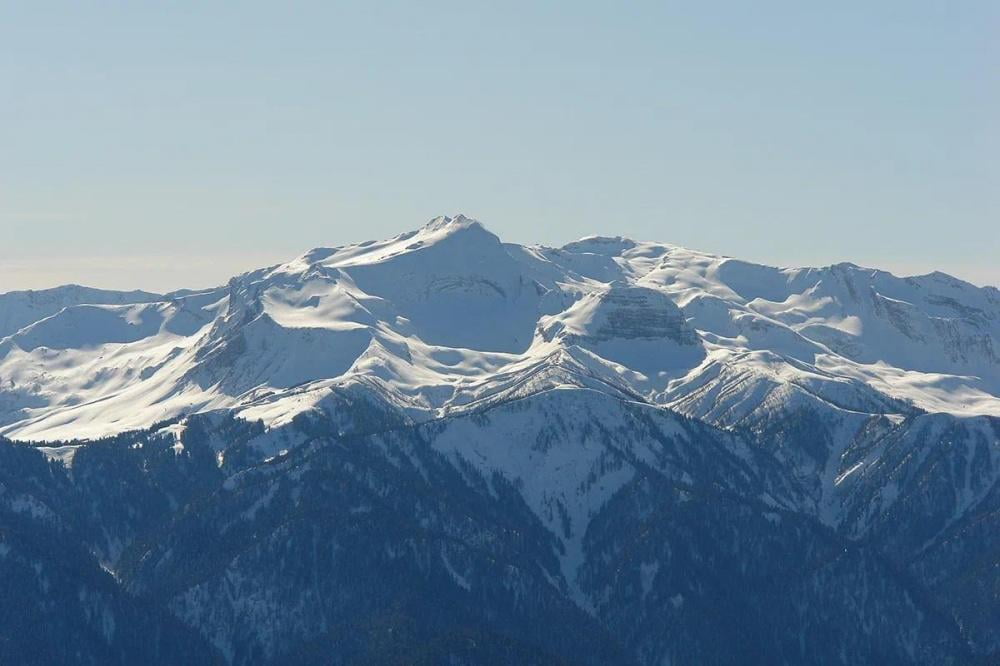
(444,448)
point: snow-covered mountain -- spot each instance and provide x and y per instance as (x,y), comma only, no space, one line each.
(610,452)
(446,316)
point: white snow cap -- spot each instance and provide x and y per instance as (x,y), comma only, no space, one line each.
(445,316)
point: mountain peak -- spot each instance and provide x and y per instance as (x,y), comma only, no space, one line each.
(452,223)
(604,245)
(449,227)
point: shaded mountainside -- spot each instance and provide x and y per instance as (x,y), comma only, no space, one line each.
(441,448)
(568,526)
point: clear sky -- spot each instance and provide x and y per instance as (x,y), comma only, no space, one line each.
(160,145)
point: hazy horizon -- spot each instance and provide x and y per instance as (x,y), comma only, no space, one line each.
(165,147)
(172,273)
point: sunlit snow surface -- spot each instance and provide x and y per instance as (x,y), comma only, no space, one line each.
(447,317)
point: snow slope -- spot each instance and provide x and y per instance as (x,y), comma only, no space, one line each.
(21,308)
(447,317)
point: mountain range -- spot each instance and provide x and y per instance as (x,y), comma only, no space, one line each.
(444,448)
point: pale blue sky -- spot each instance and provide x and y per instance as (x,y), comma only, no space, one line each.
(161,145)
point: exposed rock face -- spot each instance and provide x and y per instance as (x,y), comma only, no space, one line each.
(625,312)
